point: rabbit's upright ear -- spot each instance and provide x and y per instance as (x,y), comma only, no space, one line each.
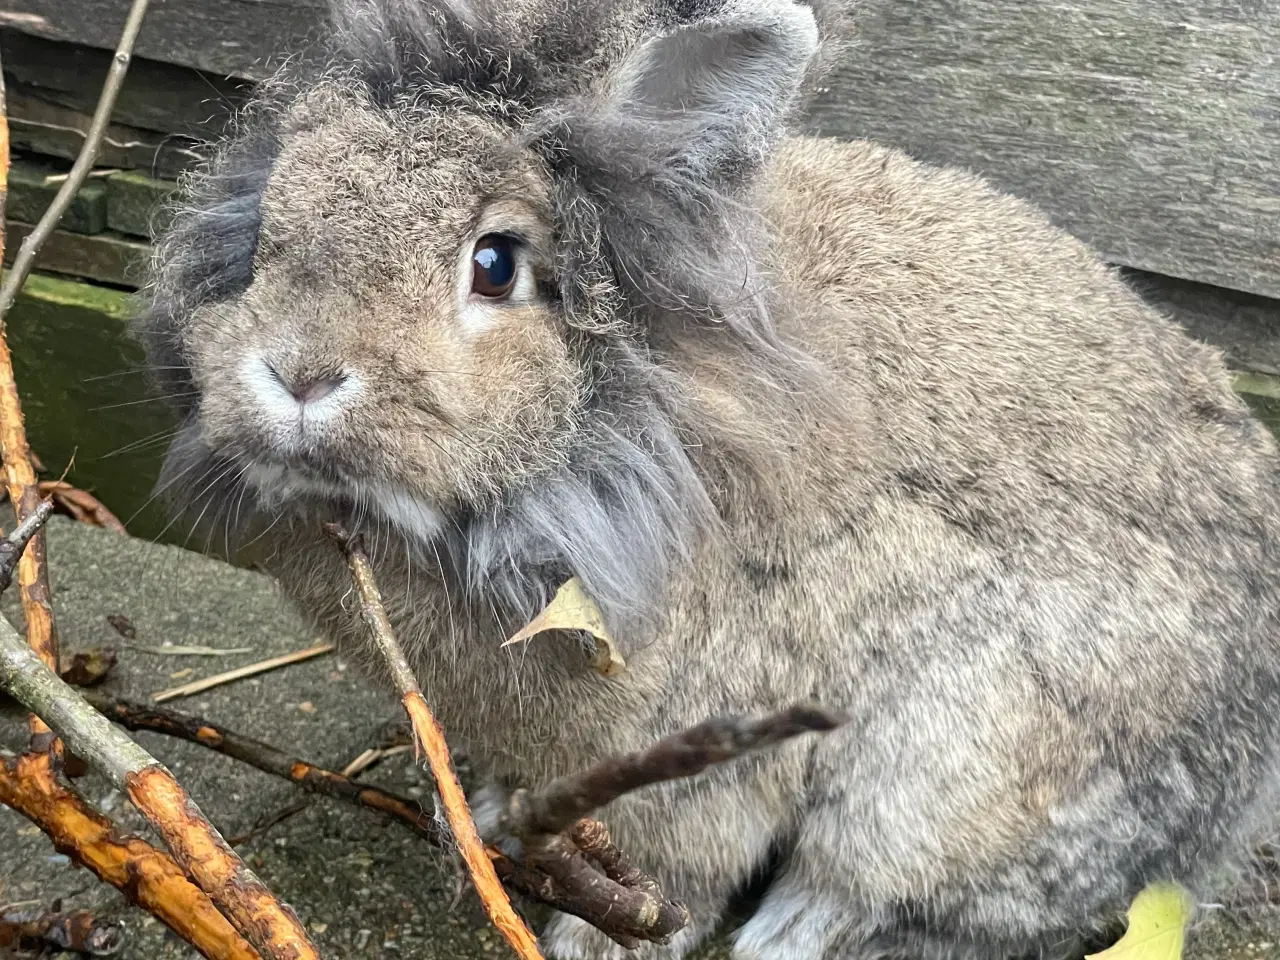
(731,78)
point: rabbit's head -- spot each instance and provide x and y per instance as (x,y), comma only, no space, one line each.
(422,283)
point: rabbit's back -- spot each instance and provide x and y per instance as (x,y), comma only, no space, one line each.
(1048,584)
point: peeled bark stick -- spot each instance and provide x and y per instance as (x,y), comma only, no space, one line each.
(263,756)
(269,925)
(430,739)
(20,478)
(145,875)
(563,802)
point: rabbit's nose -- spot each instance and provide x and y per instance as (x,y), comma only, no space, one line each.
(306,388)
(315,389)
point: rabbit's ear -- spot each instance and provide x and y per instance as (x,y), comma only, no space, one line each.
(735,75)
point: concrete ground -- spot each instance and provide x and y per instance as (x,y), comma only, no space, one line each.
(364,887)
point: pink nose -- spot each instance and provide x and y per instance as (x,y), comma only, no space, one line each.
(315,390)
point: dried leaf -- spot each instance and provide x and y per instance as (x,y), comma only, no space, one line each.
(122,625)
(572,609)
(79,931)
(88,668)
(1158,918)
(80,505)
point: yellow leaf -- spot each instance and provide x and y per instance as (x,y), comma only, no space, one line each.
(1157,919)
(572,609)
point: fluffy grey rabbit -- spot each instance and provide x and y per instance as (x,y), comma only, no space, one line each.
(538,289)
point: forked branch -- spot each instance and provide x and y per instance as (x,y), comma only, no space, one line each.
(260,918)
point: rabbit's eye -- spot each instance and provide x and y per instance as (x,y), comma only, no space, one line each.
(493,266)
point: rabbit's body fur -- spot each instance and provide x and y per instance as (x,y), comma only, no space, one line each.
(931,463)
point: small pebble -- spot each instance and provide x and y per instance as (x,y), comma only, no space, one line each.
(306,706)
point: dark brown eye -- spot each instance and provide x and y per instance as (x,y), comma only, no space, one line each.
(493,266)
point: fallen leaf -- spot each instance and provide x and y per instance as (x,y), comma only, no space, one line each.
(1158,918)
(122,625)
(80,505)
(572,609)
(87,668)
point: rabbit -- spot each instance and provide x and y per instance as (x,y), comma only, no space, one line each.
(531,291)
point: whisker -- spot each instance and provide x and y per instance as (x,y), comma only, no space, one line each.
(141,443)
(137,371)
(135,403)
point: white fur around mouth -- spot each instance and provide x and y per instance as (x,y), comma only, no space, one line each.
(277,487)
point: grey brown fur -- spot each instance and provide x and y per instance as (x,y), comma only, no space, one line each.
(811,420)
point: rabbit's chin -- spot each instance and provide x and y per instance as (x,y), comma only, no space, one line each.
(279,487)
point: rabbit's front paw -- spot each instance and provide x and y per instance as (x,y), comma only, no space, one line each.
(569,938)
(487,806)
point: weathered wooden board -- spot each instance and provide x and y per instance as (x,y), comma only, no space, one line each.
(106,257)
(1244,326)
(32,187)
(135,203)
(155,96)
(39,127)
(227,37)
(1150,128)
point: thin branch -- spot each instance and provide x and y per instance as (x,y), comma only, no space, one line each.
(259,917)
(25,259)
(563,802)
(430,740)
(12,546)
(20,479)
(252,669)
(264,757)
(147,876)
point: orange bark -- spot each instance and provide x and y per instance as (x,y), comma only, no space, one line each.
(430,740)
(20,477)
(144,874)
(264,921)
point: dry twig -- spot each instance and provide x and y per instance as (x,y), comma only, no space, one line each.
(259,917)
(217,680)
(560,804)
(15,544)
(264,757)
(430,740)
(147,876)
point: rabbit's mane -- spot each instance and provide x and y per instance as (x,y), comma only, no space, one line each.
(653,231)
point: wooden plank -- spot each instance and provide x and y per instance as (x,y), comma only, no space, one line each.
(155,96)
(32,187)
(1244,326)
(227,37)
(37,126)
(1150,128)
(107,257)
(134,203)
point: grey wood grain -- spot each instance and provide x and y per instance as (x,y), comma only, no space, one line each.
(1246,327)
(228,37)
(155,96)
(1150,128)
(39,127)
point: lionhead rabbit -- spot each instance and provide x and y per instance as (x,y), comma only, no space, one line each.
(546,289)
